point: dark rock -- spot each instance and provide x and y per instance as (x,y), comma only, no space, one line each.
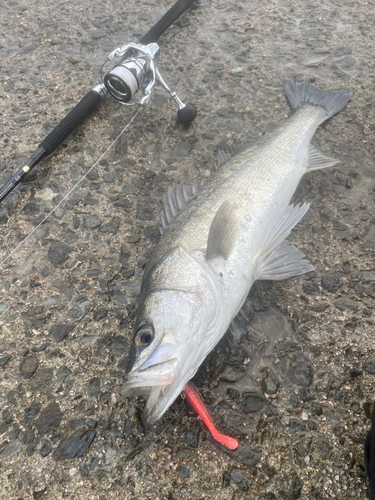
(296,425)
(152,233)
(81,308)
(331,283)
(111,177)
(49,419)
(370,367)
(300,370)
(226,479)
(28,436)
(120,150)
(271,410)
(312,425)
(322,446)
(58,253)
(184,473)
(124,255)
(7,417)
(42,381)
(112,226)
(191,437)
(45,449)
(310,288)
(4,360)
(119,345)
(31,411)
(295,487)
(61,330)
(270,384)
(181,150)
(91,221)
(105,421)
(122,203)
(145,209)
(116,295)
(74,446)
(354,372)
(252,402)
(28,367)
(237,477)
(63,373)
(94,387)
(100,314)
(9,448)
(246,456)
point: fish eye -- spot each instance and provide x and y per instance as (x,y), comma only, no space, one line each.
(144,335)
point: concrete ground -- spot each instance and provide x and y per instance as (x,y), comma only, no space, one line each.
(297,389)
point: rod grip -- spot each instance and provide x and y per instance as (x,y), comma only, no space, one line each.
(71,121)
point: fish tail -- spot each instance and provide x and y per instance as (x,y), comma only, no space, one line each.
(299,93)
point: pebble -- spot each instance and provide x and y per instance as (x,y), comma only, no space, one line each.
(45,449)
(331,282)
(112,226)
(184,473)
(370,367)
(74,446)
(61,330)
(63,373)
(252,402)
(28,367)
(91,221)
(49,419)
(81,308)
(58,253)
(94,387)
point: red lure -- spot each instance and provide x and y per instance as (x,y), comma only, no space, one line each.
(196,402)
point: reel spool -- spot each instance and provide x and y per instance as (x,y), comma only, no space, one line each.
(136,71)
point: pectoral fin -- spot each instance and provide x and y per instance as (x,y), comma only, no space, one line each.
(222,234)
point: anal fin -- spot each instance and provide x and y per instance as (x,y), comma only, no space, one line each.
(277,259)
(317,160)
(284,262)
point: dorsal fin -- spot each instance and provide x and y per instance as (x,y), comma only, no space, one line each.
(174,200)
(229,149)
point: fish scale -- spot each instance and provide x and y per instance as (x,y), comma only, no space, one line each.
(229,234)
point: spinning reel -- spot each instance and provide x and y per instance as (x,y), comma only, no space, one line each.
(136,71)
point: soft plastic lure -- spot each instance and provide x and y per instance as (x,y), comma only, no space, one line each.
(196,402)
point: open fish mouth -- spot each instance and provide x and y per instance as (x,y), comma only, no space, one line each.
(154,382)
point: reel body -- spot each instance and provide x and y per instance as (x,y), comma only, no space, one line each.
(136,71)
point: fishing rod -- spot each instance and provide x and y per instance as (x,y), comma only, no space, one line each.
(133,70)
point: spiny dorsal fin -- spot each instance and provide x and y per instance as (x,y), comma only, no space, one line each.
(228,150)
(174,200)
(222,232)
(317,160)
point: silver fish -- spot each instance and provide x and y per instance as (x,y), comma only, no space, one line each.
(217,240)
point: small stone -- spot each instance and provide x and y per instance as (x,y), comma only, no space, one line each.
(184,473)
(4,360)
(316,409)
(191,437)
(31,411)
(370,367)
(309,288)
(112,226)
(237,477)
(91,221)
(10,448)
(100,314)
(252,402)
(81,308)
(49,419)
(152,233)
(181,150)
(58,253)
(119,345)
(146,208)
(7,417)
(270,384)
(45,449)
(331,283)
(225,479)
(94,387)
(61,330)
(28,367)
(74,446)
(63,373)
(295,487)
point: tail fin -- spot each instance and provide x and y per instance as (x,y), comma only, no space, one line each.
(299,93)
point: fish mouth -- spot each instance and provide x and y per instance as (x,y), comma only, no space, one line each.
(153,381)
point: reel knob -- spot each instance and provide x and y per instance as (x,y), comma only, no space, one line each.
(186,114)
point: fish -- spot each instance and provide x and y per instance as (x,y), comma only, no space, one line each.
(217,239)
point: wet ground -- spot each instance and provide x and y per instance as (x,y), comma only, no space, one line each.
(296,390)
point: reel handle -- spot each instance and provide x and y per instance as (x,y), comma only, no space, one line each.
(186,114)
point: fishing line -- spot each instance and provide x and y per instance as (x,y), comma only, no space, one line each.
(73,188)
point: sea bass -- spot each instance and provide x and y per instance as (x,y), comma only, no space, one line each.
(217,240)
